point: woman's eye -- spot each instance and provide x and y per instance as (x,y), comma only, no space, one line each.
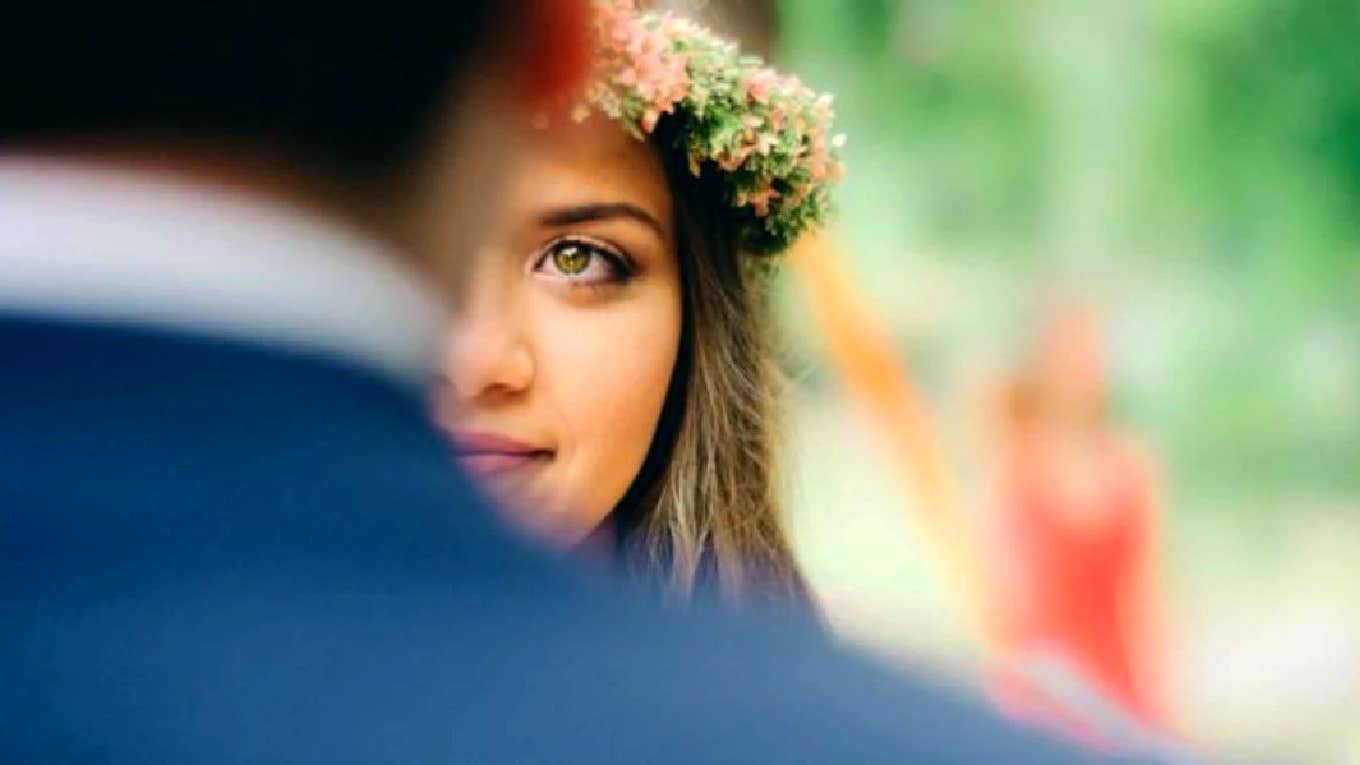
(571,259)
(582,262)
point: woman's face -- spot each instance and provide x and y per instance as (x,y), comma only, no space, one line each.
(564,343)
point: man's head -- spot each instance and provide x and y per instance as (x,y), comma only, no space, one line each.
(366,108)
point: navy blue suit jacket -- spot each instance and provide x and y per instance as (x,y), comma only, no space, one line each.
(219,553)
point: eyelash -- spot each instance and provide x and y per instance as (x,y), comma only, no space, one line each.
(621,267)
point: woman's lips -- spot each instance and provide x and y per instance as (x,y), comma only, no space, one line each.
(486,465)
(489,454)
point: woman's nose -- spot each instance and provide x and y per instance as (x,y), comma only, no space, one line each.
(489,356)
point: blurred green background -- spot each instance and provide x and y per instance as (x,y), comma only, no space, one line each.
(1192,166)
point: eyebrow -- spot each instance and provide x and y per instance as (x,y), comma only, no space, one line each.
(601,211)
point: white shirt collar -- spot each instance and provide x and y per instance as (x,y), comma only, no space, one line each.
(115,247)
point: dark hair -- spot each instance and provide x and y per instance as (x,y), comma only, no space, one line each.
(349,90)
(705,510)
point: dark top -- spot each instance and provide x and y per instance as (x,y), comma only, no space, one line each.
(218,553)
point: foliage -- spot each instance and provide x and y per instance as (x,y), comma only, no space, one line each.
(1195,164)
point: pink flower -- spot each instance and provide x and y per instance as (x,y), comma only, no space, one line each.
(678,27)
(760,200)
(823,106)
(730,162)
(759,85)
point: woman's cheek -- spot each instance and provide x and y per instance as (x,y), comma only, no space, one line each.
(609,370)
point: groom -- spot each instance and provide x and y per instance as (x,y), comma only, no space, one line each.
(226,532)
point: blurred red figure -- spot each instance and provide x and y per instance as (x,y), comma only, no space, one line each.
(1072,556)
(1058,585)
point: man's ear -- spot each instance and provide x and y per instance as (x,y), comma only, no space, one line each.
(552,51)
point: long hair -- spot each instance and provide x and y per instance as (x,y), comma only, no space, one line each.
(705,509)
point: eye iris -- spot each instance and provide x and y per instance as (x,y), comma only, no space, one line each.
(571,259)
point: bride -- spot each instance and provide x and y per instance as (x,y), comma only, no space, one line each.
(609,375)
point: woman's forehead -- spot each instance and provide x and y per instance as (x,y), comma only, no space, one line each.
(592,161)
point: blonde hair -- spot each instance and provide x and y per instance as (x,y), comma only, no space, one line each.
(707,501)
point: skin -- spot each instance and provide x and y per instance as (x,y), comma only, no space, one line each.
(438,216)
(565,336)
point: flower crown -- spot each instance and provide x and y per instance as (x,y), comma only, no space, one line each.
(766,132)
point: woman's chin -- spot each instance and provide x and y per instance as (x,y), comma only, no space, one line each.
(545,521)
(598,544)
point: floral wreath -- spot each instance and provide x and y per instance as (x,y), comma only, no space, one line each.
(765,131)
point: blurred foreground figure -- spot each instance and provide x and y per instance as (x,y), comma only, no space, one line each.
(1073,541)
(227,531)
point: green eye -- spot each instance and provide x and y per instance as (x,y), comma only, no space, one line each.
(571,259)
(583,263)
